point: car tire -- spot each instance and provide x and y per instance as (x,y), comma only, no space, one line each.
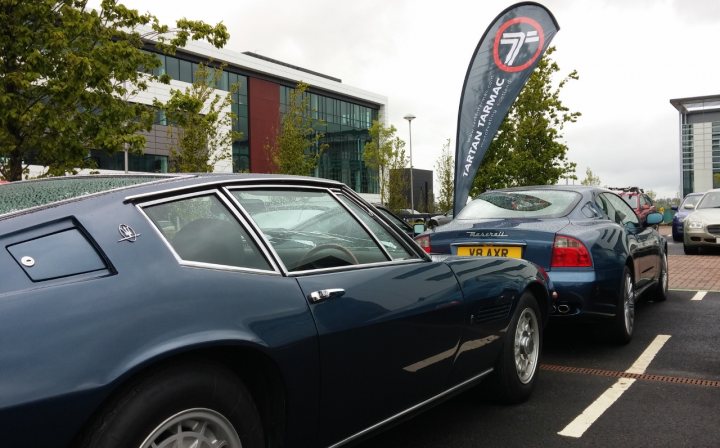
(690,250)
(624,320)
(201,401)
(659,294)
(516,371)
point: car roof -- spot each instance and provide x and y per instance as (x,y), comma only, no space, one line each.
(25,196)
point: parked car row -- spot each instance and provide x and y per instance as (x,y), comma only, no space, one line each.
(176,309)
(681,212)
(701,226)
(240,310)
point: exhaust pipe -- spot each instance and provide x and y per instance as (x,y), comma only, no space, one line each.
(563,309)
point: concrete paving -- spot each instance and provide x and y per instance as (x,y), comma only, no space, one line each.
(694,272)
(691,272)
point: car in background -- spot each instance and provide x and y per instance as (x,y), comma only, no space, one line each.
(399,222)
(240,310)
(681,212)
(439,220)
(413,217)
(638,200)
(701,228)
(598,254)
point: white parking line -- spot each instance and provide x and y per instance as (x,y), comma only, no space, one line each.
(582,423)
(699,295)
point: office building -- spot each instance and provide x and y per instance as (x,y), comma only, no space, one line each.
(346,113)
(699,125)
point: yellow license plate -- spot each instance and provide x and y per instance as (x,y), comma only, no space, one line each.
(490,251)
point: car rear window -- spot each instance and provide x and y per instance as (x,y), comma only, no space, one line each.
(521,204)
(17,196)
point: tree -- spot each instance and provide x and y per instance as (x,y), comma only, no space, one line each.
(398,180)
(528,148)
(590,178)
(445,170)
(297,147)
(201,121)
(68,73)
(378,152)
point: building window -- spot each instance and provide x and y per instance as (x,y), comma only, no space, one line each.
(144,163)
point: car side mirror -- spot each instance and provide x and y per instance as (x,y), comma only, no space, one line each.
(418,228)
(654,218)
(689,206)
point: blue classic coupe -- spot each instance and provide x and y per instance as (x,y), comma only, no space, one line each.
(598,254)
(240,311)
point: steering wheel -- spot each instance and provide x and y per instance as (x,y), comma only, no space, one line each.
(328,256)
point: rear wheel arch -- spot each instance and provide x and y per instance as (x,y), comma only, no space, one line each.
(542,298)
(256,371)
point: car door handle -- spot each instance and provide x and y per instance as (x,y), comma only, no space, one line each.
(324,294)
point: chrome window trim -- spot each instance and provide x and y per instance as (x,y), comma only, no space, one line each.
(236,182)
(355,267)
(374,237)
(383,222)
(401,414)
(233,212)
(228,189)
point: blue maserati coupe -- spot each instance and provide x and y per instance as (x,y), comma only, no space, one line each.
(598,254)
(240,311)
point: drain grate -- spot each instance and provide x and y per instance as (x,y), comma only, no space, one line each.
(637,376)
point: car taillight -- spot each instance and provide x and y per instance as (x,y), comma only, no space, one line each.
(570,253)
(424,242)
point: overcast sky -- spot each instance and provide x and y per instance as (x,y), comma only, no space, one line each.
(632,56)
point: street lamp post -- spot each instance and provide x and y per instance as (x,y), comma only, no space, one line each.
(410,118)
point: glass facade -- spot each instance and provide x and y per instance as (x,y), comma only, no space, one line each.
(345,127)
(148,163)
(184,70)
(687,159)
(700,145)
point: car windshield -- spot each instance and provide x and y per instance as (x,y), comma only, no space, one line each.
(691,201)
(711,199)
(632,200)
(520,204)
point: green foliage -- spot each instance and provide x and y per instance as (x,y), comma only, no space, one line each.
(68,74)
(398,179)
(201,123)
(445,170)
(528,148)
(590,178)
(379,151)
(297,147)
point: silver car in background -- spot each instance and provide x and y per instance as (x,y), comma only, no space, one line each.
(702,227)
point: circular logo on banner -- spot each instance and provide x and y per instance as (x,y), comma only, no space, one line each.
(518,43)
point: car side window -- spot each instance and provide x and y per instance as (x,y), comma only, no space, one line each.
(201,229)
(621,212)
(394,247)
(309,229)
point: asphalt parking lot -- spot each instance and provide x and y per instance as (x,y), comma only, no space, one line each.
(660,390)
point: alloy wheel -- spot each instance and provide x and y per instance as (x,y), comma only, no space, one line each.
(527,345)
(194,428)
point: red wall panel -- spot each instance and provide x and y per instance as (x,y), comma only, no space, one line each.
(264,112)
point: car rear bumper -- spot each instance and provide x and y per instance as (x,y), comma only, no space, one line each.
(585,294)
